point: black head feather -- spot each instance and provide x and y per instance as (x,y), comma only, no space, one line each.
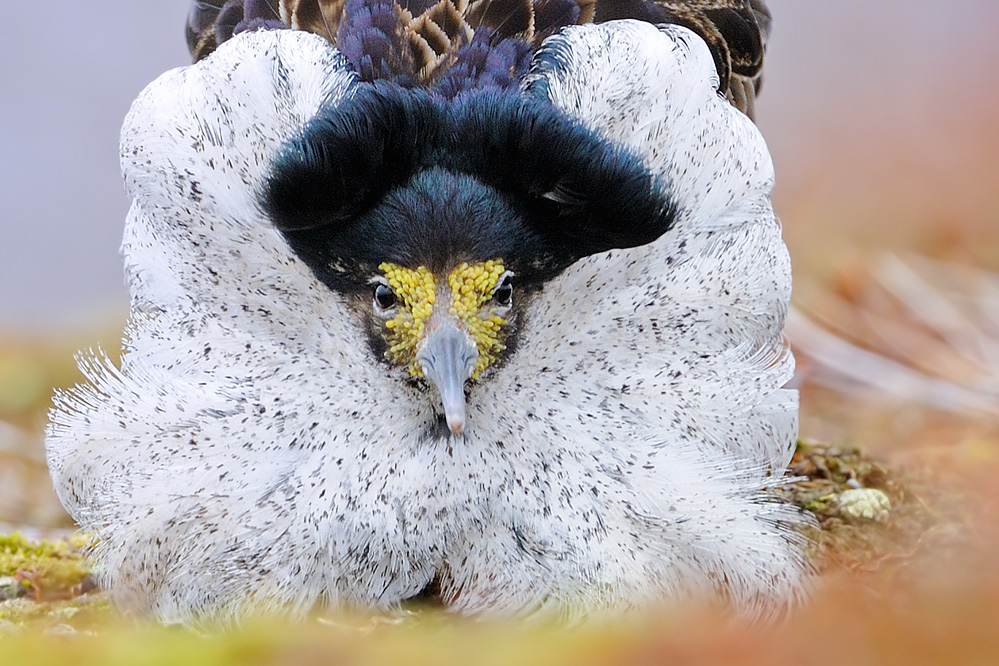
(395,174)
(349,158)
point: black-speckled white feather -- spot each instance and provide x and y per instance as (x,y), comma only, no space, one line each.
(251,454)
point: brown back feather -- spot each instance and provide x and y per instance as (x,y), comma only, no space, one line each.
(736,31)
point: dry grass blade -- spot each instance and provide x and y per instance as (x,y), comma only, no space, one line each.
(909,330)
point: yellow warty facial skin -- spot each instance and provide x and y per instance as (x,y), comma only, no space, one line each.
(472,287)
(417,295)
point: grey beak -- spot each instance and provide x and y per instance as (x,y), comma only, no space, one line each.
(448,357)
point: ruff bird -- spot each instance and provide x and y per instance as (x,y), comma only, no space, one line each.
(504,331)
(419,41)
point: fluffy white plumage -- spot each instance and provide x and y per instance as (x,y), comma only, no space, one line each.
(251,455)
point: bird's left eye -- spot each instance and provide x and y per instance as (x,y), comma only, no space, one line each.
(503,294)
(385,298)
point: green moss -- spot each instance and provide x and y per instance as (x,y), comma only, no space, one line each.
(825,475)
(429,639)
(45,569)
(83,613)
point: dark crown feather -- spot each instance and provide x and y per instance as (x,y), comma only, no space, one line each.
(566,192)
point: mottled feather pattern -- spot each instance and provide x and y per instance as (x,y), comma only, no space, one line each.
(727,152)
(420,42)
(483,66)
(621,458)
(716,164)
(369,36)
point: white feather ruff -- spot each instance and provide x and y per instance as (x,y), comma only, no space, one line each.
(252,455)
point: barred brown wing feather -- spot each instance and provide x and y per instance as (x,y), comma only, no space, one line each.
(420,39)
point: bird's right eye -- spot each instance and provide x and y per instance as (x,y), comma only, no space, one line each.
(385,298)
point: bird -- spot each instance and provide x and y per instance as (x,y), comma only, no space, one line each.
(419,40)
(503,336)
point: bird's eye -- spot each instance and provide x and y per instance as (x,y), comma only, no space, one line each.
(503,295)
(385,298)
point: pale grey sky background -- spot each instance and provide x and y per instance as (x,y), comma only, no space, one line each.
(899,87)
(68,77)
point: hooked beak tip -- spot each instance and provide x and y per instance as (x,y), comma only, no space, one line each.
(456,423)
(453,402)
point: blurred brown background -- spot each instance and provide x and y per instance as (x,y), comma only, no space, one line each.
(882,119)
